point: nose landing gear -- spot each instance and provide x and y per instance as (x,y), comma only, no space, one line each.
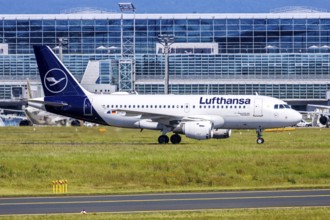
(260,140)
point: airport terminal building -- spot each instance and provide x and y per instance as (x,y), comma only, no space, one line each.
(285,54)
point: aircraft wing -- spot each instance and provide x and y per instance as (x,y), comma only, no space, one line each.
(12,117)
(166,119)
(172,119)
(320,106)
(11,110)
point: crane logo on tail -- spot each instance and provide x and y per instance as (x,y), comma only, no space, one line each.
(55,80)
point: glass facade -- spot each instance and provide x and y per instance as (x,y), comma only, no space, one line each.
(285,55)
(282,91)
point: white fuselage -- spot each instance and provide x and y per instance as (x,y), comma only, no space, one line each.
(237,111)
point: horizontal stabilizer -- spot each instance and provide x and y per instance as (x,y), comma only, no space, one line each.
(54,104)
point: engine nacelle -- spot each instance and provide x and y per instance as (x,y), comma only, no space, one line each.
(221,133)
(323,120)
(75,123)
(199,130)
(148,124)
(25,123)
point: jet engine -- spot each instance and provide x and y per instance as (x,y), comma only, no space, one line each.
(25,122)
(323,120)
(148,124)
(201,130)
(221,133)
(75,123)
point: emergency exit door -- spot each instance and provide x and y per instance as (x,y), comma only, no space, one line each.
(257,108)
(87,107)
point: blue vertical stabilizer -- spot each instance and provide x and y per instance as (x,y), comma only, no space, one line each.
(55,77)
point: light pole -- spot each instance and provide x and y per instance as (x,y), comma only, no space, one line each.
(126,6)
(61,43)
(166,41)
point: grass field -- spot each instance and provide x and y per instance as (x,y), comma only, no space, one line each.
(124,160)
(241,214)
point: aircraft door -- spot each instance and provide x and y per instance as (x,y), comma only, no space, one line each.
(87,107)
(257,108)
(186,107)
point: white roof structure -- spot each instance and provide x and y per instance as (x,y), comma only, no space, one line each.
(293,15)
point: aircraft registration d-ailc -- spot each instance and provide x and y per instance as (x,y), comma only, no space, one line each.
(196,116)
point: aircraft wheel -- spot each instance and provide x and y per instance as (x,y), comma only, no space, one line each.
(163,139)
(75,123)
(260,141)
(25,123)
(175,139)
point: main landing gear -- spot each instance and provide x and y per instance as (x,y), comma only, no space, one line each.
(175,139)
(260,140)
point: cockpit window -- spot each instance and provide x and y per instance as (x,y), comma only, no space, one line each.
(281,106)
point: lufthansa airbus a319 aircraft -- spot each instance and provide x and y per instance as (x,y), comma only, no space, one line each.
(196,116)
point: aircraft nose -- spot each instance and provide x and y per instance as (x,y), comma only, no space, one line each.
(296,117)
